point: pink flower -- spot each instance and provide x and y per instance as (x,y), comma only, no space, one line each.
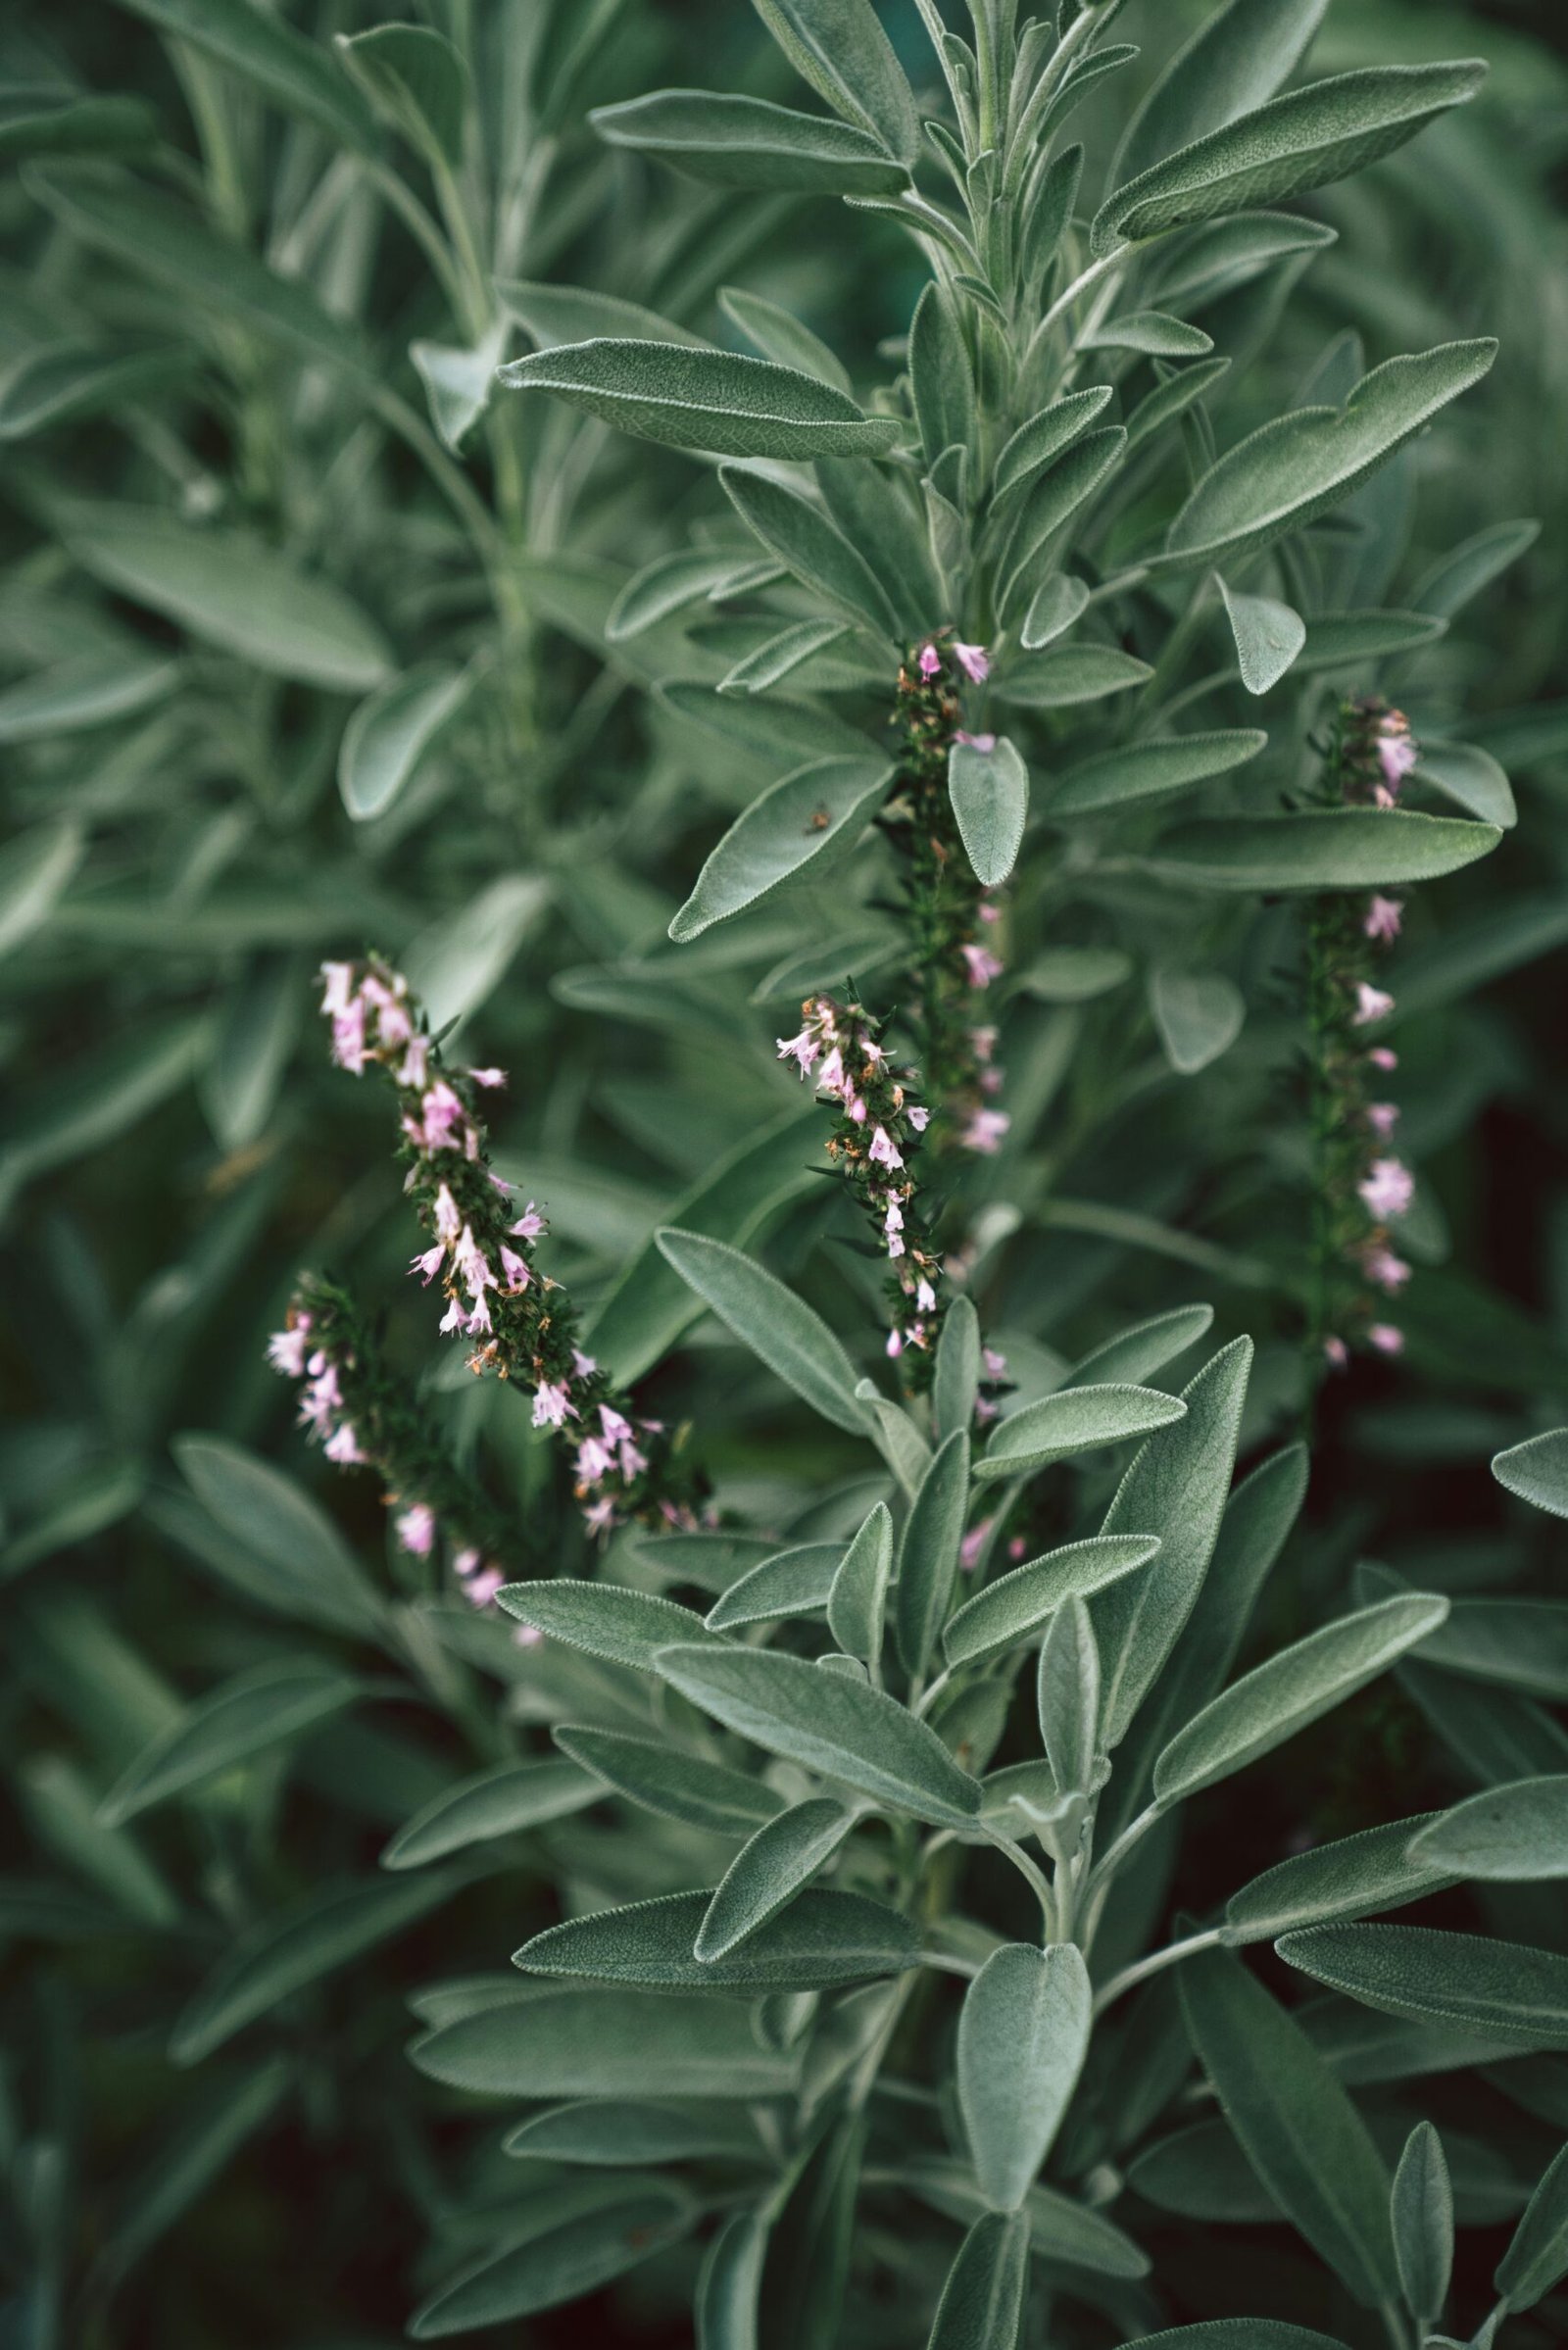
(514,1269)
(490,1078)
(429,1264)
(1371,1003)
(803,1049)
(989,912)
(854,1106)
(393,1025)
(448,1222)
(529,1224)
(348,1038)
(343,1446)
(996,1363)
(984,1410)
(1336,1353)
(930,661)
(919,1119)
(551,1405)
(1387,1271)
(983,1042)
(985,743)
(830,1078)
(468,1561)
(600,1517)
(452,1319)
(1381,918)
(594,1460)
(895,1347)
(1383,1057)
(632,1461)
(415,1065)
(444,1115)
(416,1528)
(974,661)
(478,1323)
(472,1263)
(973,1542)
(1397,753)
(583,1364)
(984,1130)
(483,1589)
(615,1424)
(884,1151)
(1388,1187)
(1382,1117)
(981,964)
(1385,1338)
(925,1297)
(286,1350)
(337,987)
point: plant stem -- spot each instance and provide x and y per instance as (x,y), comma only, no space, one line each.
(1141,1968)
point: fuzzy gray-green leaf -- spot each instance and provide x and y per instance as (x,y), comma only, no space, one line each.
(698,399)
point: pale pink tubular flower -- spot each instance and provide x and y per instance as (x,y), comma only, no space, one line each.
(1382,1117)
(1387,1338)
(803,1049)
(595,1460)
(415,1530)
(342,1447)
(516,1269)
(530,1225)
(974,661)
(925,1297)
(448,1222)
(482,1588)
(1383,918)
(1383,1057)
(981,964)
(930,660)
(996,1363)
(552,1406)
(1397,753)
(348,1038)
(286,1348)
(429,1264)
(1336,1353)
(985,1131)
(1388,1189)
(884,1151)
(490,1078)
(1387,1271)
(338,984)
(919,1119)
(468,1561)
(984,742)
(973,1542)
(1371,1003)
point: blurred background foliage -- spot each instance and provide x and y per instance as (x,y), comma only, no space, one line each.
(221,319)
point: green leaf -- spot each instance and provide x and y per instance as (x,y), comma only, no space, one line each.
(841,1727)
(1276,1700)
(1145,1349)
(1067,1698)
(316,1575)
(1465,773)
(578,2235)
(941,379)
(729,2286)
(49,121)
(1039,441)
(557,315)
(1214,262)
(928,1554)
(1268,635)
(775,729)
(1199,1014)
(216,278)
(982,2301)
(1148,770)
(1182,389)
(1536,1471)
(840,48)
(749,143)
(858,1602)
(1315,135)
(802,538)
(1059,2229)
(1023,2034)
(1301,2131)
(777,335)
(781,655)
(1149,331)
(86,689)
(649,1307)
(58,382)
(1538,2256)
(767,1873)
(621,1626)
(818,1941)
(284,1952)
(1514,1834)
(1053,499)
(609,2137)
(956,1381)
(1461,1980)
(791,1583)
(456,966)
(1422,2216)
(697,399)
(1016,1606)
(262,49)
(598,2043)
(257,1710)
(1378,1869)
(1176,1489)
(1075,974)
(1068,674)
(385,739)
(1074,1420)
(1298,466)
(1349,639)
(174,2175)
(783,1332)
(1457,577)
(665,1779)
(493,1803)
(233,591)
(1057,604)
(459,379)
(35,868)
(1319,849)
(989,794)
(418,81)
(806,817)
(1237,2333)
(1236,61)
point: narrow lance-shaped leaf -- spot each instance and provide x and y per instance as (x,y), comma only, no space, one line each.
(1304,140)
(250,1714)
(1018,1604)
(416,79)
(262,49)
(769,1873)
(1068,1697)
(1276,1700)
(831,1724)
(1375,1868)
(1319,849)
(988,784)
(1422,2215)
(858,1602)
(665,1779)
(1075,1420)
(1536,1471)
(621,1627)
(1517,1832)
(791,1583)
(492,1803)
(729,2285)
(820,1940)
(1301,2131)
(576,2236)
(982,2301)
(840,48)
(1023,2034)
(957,1380)
(800,535)
(695,399)
(928,1554)
(782,1331)
(1235,62)
(940,375)
(593,2042)
(1538,2256)
(388,735)
(1464,1981)
(751,143)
